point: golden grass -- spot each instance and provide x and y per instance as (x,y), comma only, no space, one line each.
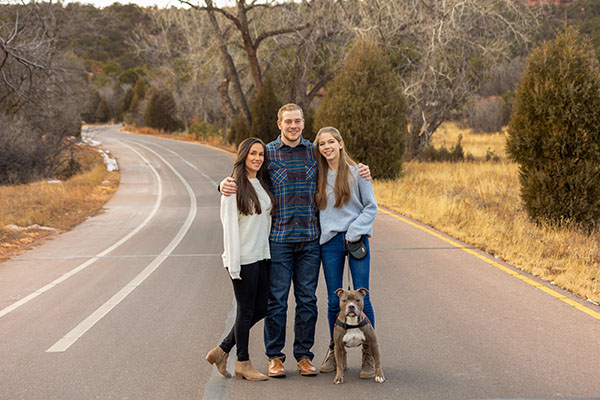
(60,206)
(479,203)
(477,145)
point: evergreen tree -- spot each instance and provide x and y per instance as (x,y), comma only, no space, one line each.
(103,111)
(554,132)
(139,93)
(125,103)
(161,111)
(88,113)
(239,130)
(128,77)
(263,109)
(365,103)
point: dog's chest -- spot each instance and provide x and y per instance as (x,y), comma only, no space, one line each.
(353,337)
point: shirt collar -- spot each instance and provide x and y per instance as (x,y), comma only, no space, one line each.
(303,142)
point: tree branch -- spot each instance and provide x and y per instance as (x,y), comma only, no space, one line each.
(268,34)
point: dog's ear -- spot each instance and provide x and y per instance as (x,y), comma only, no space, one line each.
(339,292)
(363,291)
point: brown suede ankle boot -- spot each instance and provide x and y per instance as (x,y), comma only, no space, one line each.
(245,370)
(328,364)
(218,357)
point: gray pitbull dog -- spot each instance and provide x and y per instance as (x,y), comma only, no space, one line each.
(353,329)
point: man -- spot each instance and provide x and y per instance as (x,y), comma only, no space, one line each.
(294,241)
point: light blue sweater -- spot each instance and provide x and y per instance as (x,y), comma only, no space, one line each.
(355,217)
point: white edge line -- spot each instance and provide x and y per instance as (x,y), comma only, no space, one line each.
(86,264)
(208,178)
(77,332)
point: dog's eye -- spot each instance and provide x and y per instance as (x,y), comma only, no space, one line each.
(358,300)
(343,301)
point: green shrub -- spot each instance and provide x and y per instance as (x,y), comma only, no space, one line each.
(103,111)
(455,154)
(239,130)
(128,77)
(161,112)
(200,128)
(365,103)
(263,109)
(554,132)
(139,93)
(309,132)
(88,114)
(124,103)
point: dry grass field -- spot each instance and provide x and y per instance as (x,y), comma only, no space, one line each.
(476,145)
(32,213)
(478,203)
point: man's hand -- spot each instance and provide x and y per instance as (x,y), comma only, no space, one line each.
(227,187)
(364,171)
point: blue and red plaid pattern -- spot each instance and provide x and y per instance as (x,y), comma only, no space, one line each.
(293,173)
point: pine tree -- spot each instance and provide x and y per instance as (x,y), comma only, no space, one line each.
(102,112)
(263,109)
(124,103)
(239,130)
(88,114)
(554,132)
(161,111)
(139,92)
(365,103)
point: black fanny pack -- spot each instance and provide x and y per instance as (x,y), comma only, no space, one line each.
(357,249)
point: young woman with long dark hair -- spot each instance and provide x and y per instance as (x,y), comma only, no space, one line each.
(246,219)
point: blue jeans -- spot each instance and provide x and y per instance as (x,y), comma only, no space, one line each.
(298,263)
(333,254)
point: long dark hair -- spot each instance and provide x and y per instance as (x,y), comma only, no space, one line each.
(247,199)
(341,188)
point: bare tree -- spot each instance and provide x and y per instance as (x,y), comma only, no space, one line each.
(239,26)
(317,51)
(179,45)
(244,42)
(38,92)
(442,49)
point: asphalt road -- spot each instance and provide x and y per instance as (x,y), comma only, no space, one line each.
(126,305)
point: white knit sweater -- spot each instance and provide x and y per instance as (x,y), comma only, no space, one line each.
(245,237)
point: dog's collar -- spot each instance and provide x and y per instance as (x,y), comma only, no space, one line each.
(346,326)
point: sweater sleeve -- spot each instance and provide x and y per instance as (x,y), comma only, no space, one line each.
(363,223)
(231,235)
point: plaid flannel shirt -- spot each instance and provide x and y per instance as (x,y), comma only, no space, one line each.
(293,174)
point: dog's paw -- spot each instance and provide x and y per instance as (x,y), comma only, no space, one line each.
(338,379)
(380,378)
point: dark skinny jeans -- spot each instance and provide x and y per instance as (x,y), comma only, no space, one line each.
(251,294)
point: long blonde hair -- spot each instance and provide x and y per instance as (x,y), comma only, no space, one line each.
(341,189)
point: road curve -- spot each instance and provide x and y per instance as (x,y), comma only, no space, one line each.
(126,305)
